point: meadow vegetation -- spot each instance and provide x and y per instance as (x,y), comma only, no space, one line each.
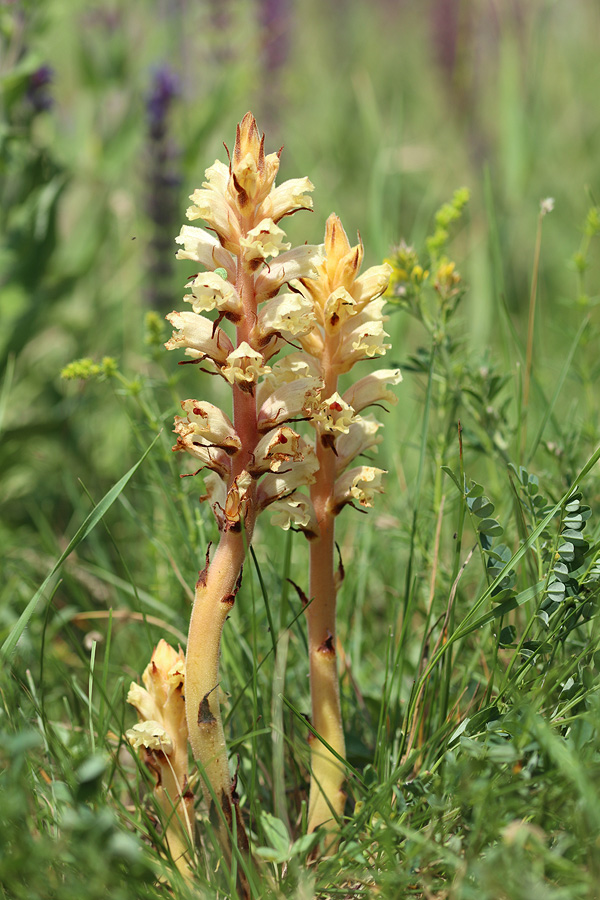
(460,140)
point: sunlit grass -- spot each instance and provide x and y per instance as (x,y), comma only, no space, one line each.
(471,718)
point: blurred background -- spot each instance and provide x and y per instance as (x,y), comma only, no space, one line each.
(111,111)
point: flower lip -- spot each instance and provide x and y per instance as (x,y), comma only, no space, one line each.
(357,485)
(263,241)
(296,512)
(245,366)
(290,401)
(150,735)
(211,291)
(276,450)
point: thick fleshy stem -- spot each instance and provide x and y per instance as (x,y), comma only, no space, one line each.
(215,594)
(214,597)
(327,797)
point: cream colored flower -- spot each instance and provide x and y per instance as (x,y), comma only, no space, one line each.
(334,415)
(360,437)
(357,485)
(237,500)
(301,262)
(210,291)
(297,512)
(244,367)
(276,450)
(212,424)
(287,315)
(229,505)
(361,337)
(297,399)
(204,248)
(276,485)
(263,241)
(197,445)
(217,177)
(371,284)
(286,369)
(160,703)
(287,198)
(339,307)
(372,389)
(200,338)
(214,209)
(151,736)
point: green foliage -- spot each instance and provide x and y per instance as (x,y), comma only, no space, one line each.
(469,641)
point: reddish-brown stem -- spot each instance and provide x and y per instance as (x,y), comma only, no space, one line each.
(214,598)
(327,797)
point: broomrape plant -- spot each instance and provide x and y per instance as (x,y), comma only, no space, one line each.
(302,318)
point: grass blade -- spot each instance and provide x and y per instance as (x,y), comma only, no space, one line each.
(90,523)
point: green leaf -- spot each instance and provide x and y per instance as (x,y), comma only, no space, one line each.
(451,475)
(491,527)
(561,572)
(511,602)
(271,855)
(276,833)
(90,523)
(566,551)
(482,507)
(575,537)
(556,591)
(507,636)
(476,490)
(304,844)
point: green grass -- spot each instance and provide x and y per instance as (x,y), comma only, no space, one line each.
(469,678)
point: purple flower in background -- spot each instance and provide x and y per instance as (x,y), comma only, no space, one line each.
(165,88)
(162,184)
(37,88)
(275,18)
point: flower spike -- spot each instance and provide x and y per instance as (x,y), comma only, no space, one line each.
(251,457)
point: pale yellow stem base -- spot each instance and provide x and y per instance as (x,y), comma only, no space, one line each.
(327,797)
(215,596)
